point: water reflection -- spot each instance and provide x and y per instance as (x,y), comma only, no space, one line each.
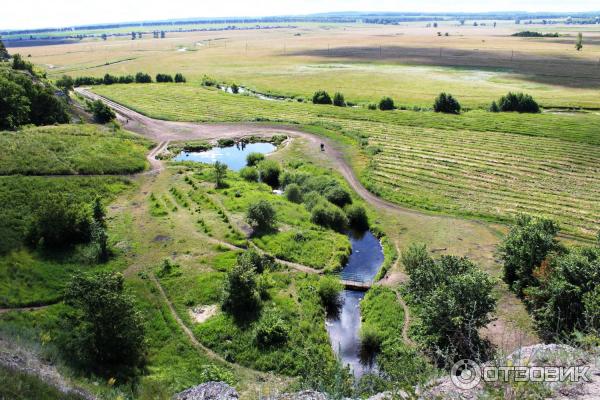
(234,156)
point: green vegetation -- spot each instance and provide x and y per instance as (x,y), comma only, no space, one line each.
(445,103)
(269,172)
(518,102)
(241,296)
(559,284)
(261,216)
(71,149)
(101,112)
(534,34)
(254,158)
(20,385)
(455,300)
(386,104)
(103,331)
(27,99)
(220,171)
(321,97)
(338,100)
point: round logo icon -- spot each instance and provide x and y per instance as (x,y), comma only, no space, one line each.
(465,374)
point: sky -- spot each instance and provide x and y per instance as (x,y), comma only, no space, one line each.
(64,13)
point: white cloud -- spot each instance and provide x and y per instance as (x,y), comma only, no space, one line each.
(44,13)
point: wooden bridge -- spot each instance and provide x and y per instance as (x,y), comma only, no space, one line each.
(355,282)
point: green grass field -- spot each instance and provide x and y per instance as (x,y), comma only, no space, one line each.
(478,164)
(71,149)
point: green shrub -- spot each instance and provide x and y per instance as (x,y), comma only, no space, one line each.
(249,174)
(328,215)
(241,297)
(445,103)
(338,196)
(518,102)
(141,77)
(252,259)
(321,97)
(271,330)
(253,159)
(338,100)
(370,340)
(226,142)
(179,78)
(208,81)
(102,113)
(357,217)
(330,289)
(293,193)
(261,216)
(386,103)
(269,172)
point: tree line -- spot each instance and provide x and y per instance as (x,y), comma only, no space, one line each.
(444,103)
(140,77)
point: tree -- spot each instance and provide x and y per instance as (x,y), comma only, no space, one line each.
(164,78)
(252,259)
(104,37)
(357,217)
(253,159)
(18,64)
(235,89)
(386,103)
(261,216)
(326,214)
(579,42)
(141,77)
(179,78)
(14,105)
(321,97)
(65,83)
(337,195)
(269,172)
(249,173)
(3,52)
(220,171)
(293,193)
(102,113)
(329,290)
(99,212)
(271,330)
(518,102)
(523,249)
(240,296)
(494,107)
(103,330)
(338,100)
(445,103)
(60,222)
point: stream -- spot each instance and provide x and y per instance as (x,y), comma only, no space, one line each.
(344,328)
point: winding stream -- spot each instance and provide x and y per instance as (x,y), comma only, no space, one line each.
(344,328)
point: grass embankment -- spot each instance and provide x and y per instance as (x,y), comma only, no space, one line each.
(19,385)
(71,149)
(478,164)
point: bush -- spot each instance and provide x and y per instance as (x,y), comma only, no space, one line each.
(253,159)
(328,215)
(527,244)
(321,97)
(163,78)
(208,81)
(141,77)
(102,113)
(271,330)
(252,259)
(240,295)
(261,216)
(103,331)
(370,340)
(518,102)
(269,172)
(235,89)
(494,107)
(249,174)
(338,195)
(386,103)
(330,289)
(220,171)
(179,78)
(357,217)
(109,79)
(338,100)
(59,222)
(293,193)
(445,103)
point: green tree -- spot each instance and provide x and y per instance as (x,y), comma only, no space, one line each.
(254,158)
(3,52)
(272,330)
(386,104)
(527,244)
(269,171)
(326,214)
(65,83)
(241,297)
(494,107)
(102,113)
(19,64)
(103,330)
(357,217)
(249,173)
(445,103)
(261,216)
(220,171)
(329,290)
(321,97)
(14,105)
(518,102)
(579,42)
(338,100)
(179,78)
(252,259)
(141,77)
(337,195)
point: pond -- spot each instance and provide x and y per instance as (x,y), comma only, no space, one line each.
(344,327)
(233,156)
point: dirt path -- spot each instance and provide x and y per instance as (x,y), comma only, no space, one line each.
(21,309)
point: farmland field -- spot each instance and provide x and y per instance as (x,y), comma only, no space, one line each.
(485,165)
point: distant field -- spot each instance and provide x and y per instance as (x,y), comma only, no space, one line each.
(409,62)
(478,164)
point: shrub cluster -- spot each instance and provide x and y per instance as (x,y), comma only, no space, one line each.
(102,113)
(321,97)
(516,102)
(386,104)
(445,103)
(140,77)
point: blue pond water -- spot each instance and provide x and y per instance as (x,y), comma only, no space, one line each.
(234,156)
(344,327)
